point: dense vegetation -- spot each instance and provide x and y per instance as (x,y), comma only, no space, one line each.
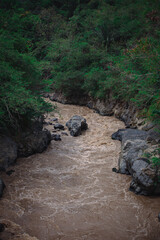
(78,47)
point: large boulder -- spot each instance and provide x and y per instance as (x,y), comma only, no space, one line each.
(76,125)
(131,150)
(8,153)
(131,161)
(35,142)
(145,179)
(129,134)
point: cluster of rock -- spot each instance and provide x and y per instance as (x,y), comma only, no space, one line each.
(75,126)
(32,141)
(35,140)
(132,160)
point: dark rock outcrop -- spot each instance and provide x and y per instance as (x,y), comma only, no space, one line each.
(8,153)
(144,178)
(134,144)
(76,125)
(80,99)
(35,142)
(2,186)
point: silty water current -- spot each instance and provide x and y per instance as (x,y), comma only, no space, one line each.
(69,192)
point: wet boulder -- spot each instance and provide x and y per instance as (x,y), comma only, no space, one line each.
(58,126)
(76,125)
(145,179)
(8,153)
(35,142)
(131,161)
(131,150)
(56,137)
(2,186)
(129,134)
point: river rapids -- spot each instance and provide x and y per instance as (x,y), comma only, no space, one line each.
(69,192)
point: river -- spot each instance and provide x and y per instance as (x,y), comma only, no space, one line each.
(69,192)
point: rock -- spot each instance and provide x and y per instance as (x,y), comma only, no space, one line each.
(129,134)
(153,136)
(159,217)
(148,126)
(56,137)
(131,150)
(118,135)
(35,142)
(54,119)
(76,125)
(58,126)
(8,153)
(144,176)
(2,186)
(58,97)
(64,133)
(90,105)
(115,170)
(2,227)
(45,95)
(10,172)
(105,107)
(46,123)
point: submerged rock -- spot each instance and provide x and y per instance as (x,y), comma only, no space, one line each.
(76,125)
(8,153)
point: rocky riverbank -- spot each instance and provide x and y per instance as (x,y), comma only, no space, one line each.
(134,147)
(34,140)
(141,138)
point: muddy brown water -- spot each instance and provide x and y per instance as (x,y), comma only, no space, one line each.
(69,192)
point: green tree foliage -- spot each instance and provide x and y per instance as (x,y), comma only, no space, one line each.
(20,75)
(109,46)
(78,47)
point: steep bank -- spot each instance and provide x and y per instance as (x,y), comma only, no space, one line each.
(34,140)
(136,144)
(69,192)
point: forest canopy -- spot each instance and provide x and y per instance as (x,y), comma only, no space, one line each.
(79,48)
